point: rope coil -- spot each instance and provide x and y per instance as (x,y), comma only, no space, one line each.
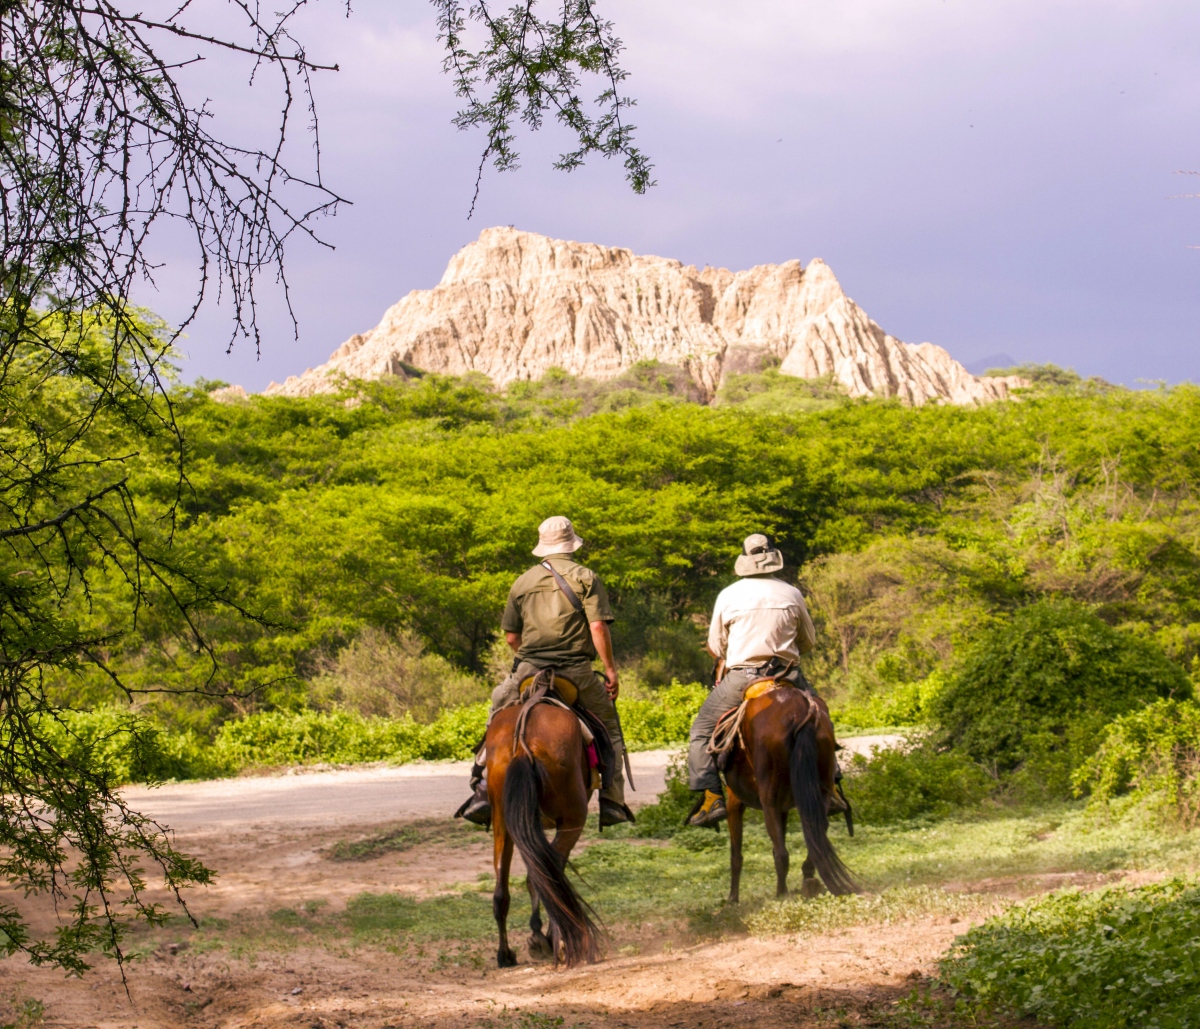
(728,730)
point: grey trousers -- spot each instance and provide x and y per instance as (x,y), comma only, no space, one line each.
(702,766)
(592,695)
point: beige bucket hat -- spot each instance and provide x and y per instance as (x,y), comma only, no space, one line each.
(556,536)
(758,557)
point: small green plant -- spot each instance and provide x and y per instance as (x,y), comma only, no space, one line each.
(826,912)
(1150,759)
(1113,959)
(24,1013)
(896,784)
(664,818)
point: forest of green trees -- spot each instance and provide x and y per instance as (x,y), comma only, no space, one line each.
(367,540)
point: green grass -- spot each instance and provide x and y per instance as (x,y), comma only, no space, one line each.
(405,837)
(679,886)
(797,917)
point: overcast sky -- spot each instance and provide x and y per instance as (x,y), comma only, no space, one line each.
(993,176)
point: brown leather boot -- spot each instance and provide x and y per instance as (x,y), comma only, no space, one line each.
(478,807)
(612,813)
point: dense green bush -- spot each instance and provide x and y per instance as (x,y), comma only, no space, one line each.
(1113,959)
(896,784)
(136,749)
(413,510)
(1149,759)
(663,720)
(130,747)
(343,737)
(1037,689)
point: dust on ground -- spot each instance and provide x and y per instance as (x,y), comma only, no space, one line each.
(652,978)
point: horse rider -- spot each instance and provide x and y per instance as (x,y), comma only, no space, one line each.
(760,626)
(545,629)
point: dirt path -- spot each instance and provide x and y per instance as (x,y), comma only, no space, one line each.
(273,858)
(769,984)
(358,796)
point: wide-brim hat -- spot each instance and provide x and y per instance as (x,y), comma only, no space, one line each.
(758,557)
(556,536)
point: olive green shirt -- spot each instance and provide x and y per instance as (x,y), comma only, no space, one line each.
(552,632)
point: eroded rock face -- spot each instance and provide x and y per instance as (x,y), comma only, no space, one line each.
(514,304)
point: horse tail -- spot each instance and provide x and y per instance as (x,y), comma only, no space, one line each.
(568,914)
(814,816)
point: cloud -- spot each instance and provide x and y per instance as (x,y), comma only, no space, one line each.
(987,175)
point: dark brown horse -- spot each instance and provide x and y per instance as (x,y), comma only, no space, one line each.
(785,759)
(544,782)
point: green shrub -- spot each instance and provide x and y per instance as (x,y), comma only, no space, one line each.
(1114,959)
(390,675)
(665,720)
(664,818)
(906,704)
(130,747)
(343,737)
(1150,759)
(900,783)
(1040,687)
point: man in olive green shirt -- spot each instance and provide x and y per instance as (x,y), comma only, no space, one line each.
(546,630)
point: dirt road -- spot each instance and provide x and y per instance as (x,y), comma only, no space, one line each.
(257,960)
(360,796)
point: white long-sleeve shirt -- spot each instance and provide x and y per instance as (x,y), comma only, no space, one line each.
(758,618)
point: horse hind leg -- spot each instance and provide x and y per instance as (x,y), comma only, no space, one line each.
(539,944)
(777,829)
(501,898)
(810,885)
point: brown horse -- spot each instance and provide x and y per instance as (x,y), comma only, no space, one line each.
(544,781)
(785,759)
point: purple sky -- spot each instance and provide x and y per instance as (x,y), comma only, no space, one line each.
(994,177)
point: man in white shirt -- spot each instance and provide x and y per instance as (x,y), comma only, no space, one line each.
(760,626)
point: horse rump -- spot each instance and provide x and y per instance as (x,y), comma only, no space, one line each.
(814,817)
(571,927)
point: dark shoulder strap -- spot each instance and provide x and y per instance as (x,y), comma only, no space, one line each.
(569,593)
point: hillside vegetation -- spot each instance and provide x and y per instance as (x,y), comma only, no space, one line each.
(396,516)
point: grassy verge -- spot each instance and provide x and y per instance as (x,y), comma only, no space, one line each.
(1109,959)
(667,889)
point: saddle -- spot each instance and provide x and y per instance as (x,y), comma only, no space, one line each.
(728,730)
(548,688)
(567,691)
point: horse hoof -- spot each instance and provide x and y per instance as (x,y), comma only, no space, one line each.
(540,949)
(506,959)
(810,888)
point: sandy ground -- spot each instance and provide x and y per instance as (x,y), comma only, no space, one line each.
(270,838)
(651,979)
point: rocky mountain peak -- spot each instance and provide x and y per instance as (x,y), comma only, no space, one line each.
(514,304)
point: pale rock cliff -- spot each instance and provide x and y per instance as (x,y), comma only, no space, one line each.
(514,304)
